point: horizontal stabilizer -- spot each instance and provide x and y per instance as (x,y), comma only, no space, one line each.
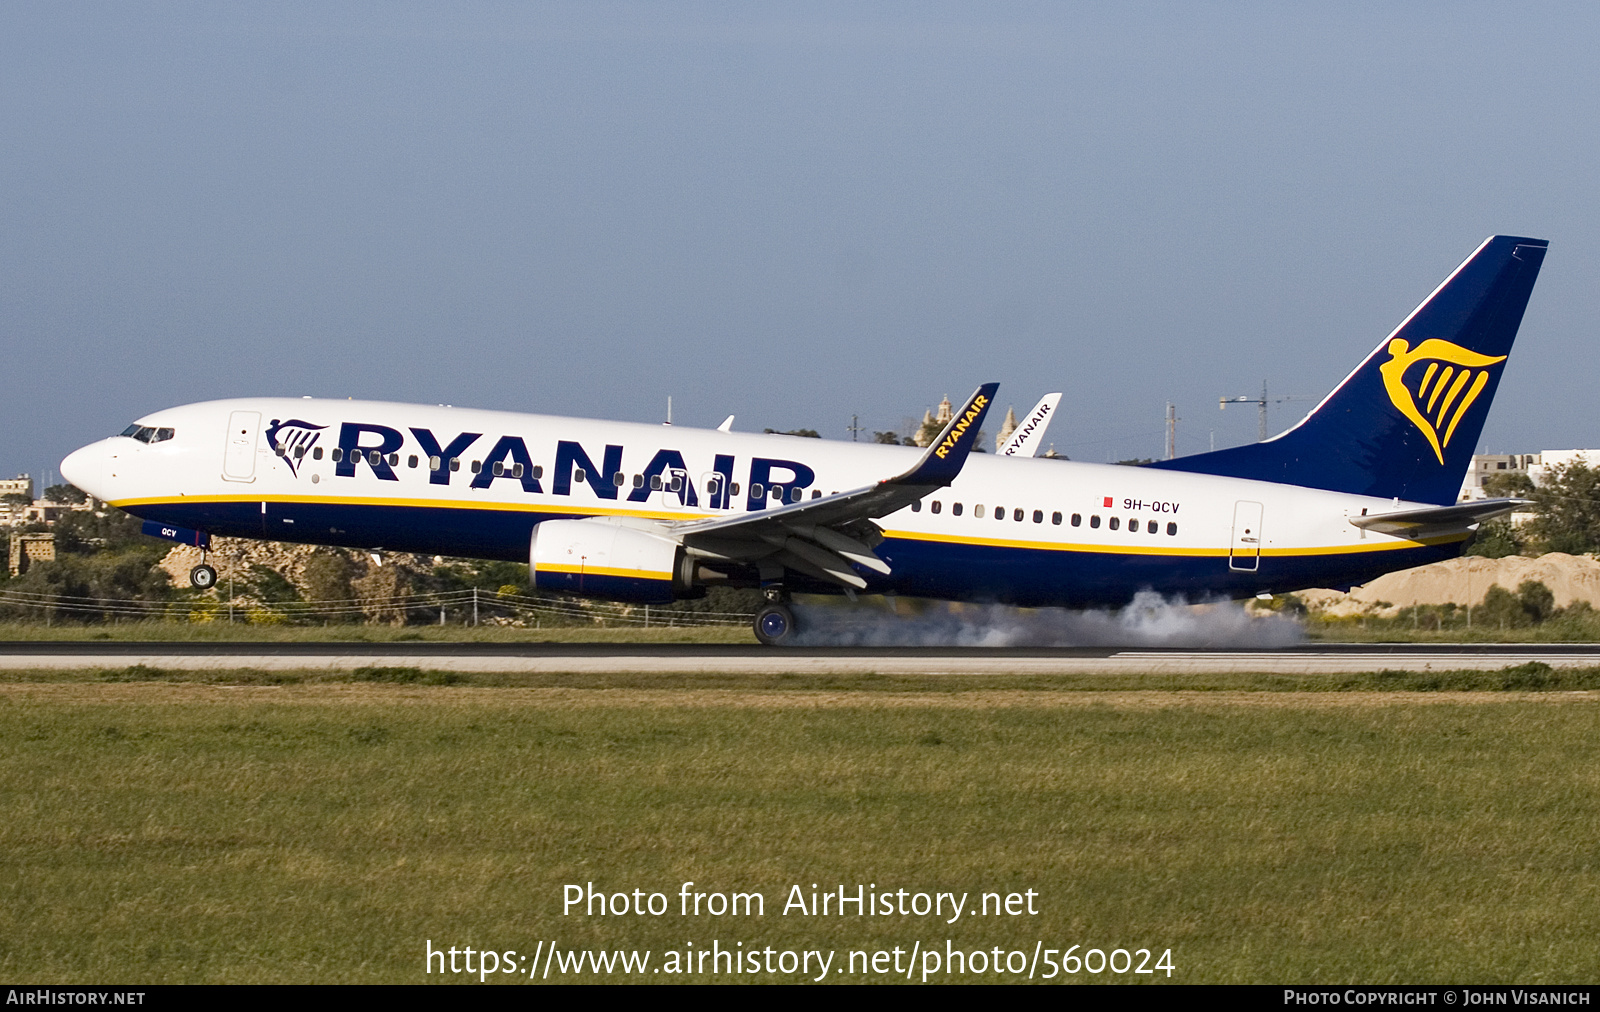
(1439,519)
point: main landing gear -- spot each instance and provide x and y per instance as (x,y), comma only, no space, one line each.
(774,624)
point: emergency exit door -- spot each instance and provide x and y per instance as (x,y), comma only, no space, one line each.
(1245,551)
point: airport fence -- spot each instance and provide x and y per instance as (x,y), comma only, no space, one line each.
(470,606)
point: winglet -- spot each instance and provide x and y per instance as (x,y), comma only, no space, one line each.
(1025,438)
(948,454)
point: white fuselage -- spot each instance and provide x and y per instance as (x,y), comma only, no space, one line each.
(1027,530)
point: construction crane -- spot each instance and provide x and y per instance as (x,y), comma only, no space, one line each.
(1261,403)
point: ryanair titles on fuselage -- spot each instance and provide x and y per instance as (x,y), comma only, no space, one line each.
(507,458)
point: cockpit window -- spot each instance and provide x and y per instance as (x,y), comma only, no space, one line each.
(148,433)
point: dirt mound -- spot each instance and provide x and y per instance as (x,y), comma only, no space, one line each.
(1465,581)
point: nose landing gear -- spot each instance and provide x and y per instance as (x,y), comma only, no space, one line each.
(202,577)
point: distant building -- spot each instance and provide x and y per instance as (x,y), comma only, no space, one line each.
(1486,464)
(20,485)
(933,424)
(47,511)
(1543,463)
(27,549)
(1007,427)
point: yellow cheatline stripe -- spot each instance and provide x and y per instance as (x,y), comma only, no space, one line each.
(1094,549)
(448,504)
(603,511)
(636,574)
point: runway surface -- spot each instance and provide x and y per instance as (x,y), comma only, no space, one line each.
(554,658)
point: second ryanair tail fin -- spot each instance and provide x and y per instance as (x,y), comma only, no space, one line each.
(1405,422)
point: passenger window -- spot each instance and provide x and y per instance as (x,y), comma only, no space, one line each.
(516,470)
(796,494)
(1077,519)
(735,489)
(618,479)
(455,463)
(316,453)
(916,507)
(578,475)
(434,463)
(1016,514)
(500,469)
(374,458)
(1152,526)
(477,466)
(394,460)
(337,454)
(1038,517)
(677,483)
(1172,529)
(638,481)
(977,511)
(1055,518)
(935,506)
(955,509)
(756,491)
(1114,523)
(999,512)
(777,492)
(655,483)
(299,452)
(281,450)
(538,471)
(1094,520)
(816,493)
(411,461)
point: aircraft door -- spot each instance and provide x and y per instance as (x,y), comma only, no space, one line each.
(239,459)
(678,486)
(711,490)
(1245,551)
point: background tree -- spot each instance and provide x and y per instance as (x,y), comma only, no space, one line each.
(71,494)
(1567,509)
(327,581)
(1497,539)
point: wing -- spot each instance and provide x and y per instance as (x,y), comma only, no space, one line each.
(1426,523)
(822,538)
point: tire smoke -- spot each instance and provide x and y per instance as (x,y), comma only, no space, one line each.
(1148,621)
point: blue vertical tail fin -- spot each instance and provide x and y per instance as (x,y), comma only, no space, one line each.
(1404,424)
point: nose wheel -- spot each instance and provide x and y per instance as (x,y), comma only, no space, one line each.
(202,577)
(775,626)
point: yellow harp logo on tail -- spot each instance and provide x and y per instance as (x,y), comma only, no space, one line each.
(1453,379)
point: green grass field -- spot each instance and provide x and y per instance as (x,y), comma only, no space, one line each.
(177,831)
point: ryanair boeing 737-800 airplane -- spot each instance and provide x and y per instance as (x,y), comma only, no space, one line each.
(1363,485)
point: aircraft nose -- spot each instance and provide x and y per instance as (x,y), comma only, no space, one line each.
(89,468)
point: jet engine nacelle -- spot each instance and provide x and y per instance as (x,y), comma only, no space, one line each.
(601,558)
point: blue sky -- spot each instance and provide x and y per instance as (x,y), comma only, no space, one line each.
(793,213)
